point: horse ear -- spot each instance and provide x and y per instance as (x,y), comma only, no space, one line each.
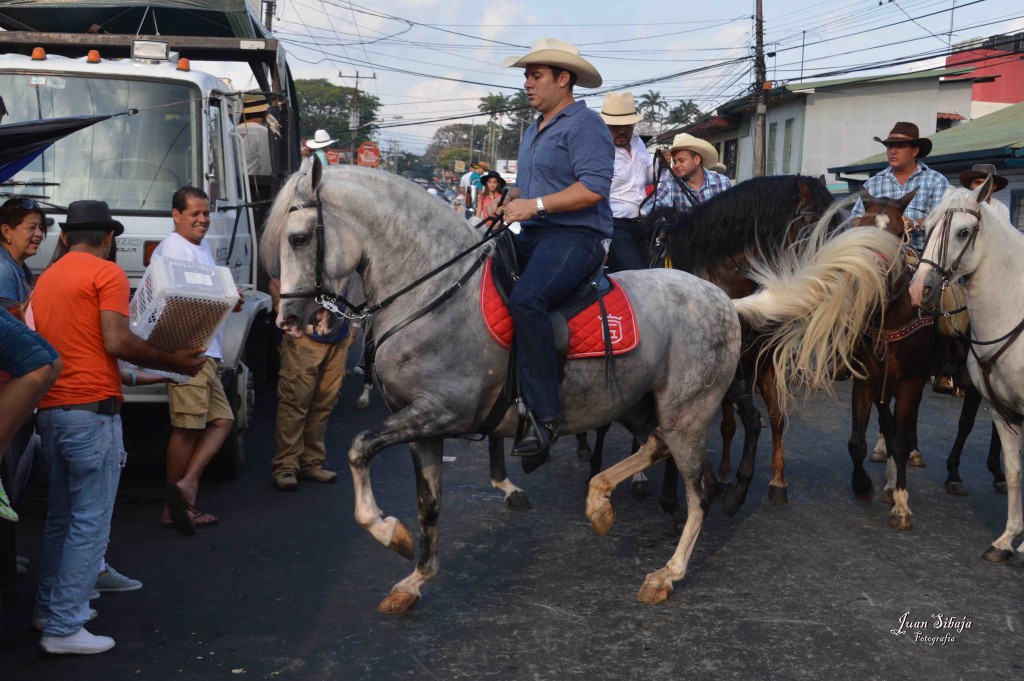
(823,180)
(317,175)
(984,192)
(905,201)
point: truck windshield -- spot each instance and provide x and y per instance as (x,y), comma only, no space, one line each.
(132,162)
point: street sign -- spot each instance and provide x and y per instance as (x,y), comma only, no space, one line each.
(369,154)
(460,166)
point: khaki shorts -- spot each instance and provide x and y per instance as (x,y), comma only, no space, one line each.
(201,400)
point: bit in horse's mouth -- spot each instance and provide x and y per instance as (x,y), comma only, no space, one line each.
(290,326)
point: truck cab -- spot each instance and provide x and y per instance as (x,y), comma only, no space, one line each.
(170,126)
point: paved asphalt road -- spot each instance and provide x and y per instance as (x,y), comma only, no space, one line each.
(286,587)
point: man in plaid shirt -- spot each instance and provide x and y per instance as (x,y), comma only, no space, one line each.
(691,159)
(905,174)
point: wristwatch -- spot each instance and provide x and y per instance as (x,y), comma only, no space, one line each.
(541,211)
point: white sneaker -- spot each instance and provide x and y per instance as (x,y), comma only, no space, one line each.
(40,622)
(112,580)
(79,643)
(95,595)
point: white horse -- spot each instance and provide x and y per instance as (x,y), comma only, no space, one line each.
(968,239)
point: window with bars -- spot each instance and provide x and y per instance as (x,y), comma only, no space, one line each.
(787,147)
(1017,208)
(769,165)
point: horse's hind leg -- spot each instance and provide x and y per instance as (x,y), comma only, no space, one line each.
(727,429)
(597,456)
(583,450)
(860,407)
(735,495)
(599,506)
(698,484)
(426,459)
(1002,548)
(777,488)
(998,479)
(515,498)
(914,458)
(968,413)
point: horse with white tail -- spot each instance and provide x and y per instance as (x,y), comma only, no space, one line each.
(440,372)
(968,239)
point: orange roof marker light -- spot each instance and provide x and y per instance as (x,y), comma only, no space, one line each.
(93,57)
(184,65)
(38,54)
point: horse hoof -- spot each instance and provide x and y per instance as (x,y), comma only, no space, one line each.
(401,542)
(994,555)
(1016,560)
(517,501)
(584,454)
(863,488)
(363,402)
(532,463)
(641,488)
(887,497)
(956,488)
(778,495)
(879,456)
(915,460)
(732,501)
(901,522)
(654,592)
(999,487)
(398,602)
(601,516)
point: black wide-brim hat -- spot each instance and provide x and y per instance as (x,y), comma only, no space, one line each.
(908,133)
(979,172)
(492,173)
(91,215)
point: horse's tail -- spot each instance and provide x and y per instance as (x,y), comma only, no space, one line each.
(816,297)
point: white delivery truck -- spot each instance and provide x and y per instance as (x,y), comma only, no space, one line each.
(172,126)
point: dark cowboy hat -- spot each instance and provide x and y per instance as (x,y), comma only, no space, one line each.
(979,171)
(492,173)
(908,132)
(91,215)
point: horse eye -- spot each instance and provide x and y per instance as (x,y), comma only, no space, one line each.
(963,233)
(298,240)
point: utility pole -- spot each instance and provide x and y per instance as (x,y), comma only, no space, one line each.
(268,13)
(760,106)
(353,116)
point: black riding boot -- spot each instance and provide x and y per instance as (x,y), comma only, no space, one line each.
(537,438)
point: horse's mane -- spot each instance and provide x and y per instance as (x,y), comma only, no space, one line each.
(400,198)
(754,214)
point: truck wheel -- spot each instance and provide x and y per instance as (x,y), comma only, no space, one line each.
(240,390)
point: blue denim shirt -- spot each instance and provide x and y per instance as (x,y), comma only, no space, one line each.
(15,279)
(575,146)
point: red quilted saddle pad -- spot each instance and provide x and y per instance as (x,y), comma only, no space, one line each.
(586,336)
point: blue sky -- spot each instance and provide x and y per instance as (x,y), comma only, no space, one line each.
(465,42)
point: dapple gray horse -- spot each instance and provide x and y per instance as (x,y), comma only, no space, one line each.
(441,373)
(968,239)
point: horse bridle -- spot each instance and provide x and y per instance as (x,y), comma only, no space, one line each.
(949,274)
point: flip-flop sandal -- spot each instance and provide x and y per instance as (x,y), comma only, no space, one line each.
(203,519)
(179,510)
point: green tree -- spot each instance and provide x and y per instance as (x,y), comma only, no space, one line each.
(684,113)
(519,119)
(652,105)
(447,158)
(456,135)
(323,105)
(494,106)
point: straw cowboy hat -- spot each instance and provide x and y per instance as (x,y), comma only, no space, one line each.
(254,104)
(320,140)
(708,154)
(554,52)
(979,171)
(908,132)
(719,167)
(91,215)
(619,108)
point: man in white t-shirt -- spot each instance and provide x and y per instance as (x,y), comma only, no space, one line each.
(200,412)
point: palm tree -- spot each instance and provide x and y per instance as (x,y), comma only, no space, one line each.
(684,113)
(494,106)
(652,105)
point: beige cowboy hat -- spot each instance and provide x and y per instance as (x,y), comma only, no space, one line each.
(719,167)
(320,140)
(979,172)
(619,108)
(554,52)
(909,133)
(254,104)
(684,140)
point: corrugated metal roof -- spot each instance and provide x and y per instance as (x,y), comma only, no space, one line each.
(1003,129)
(869,80)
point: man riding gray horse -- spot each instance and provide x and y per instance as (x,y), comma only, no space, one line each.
(566,161)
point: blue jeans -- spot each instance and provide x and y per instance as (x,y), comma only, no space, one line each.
(558,259)
(86,454)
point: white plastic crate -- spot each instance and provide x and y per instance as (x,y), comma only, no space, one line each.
(181,304)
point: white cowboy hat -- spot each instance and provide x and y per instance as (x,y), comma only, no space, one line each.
(719,167)
(554,52)
(619,108)
(320,140)
(708,154)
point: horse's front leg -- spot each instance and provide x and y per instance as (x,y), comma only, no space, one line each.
(744,397)
(728,431)
(426,459)
(419,420)
(914,457)
(907,398)
(599,506)
(860,407)
(994,449)
(515,498)
(1002,548)
(968,413)
(777,488)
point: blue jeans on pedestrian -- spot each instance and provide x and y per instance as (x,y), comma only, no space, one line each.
(558,259)
(86,454)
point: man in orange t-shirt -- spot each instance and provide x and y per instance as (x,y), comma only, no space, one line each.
(80,305)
